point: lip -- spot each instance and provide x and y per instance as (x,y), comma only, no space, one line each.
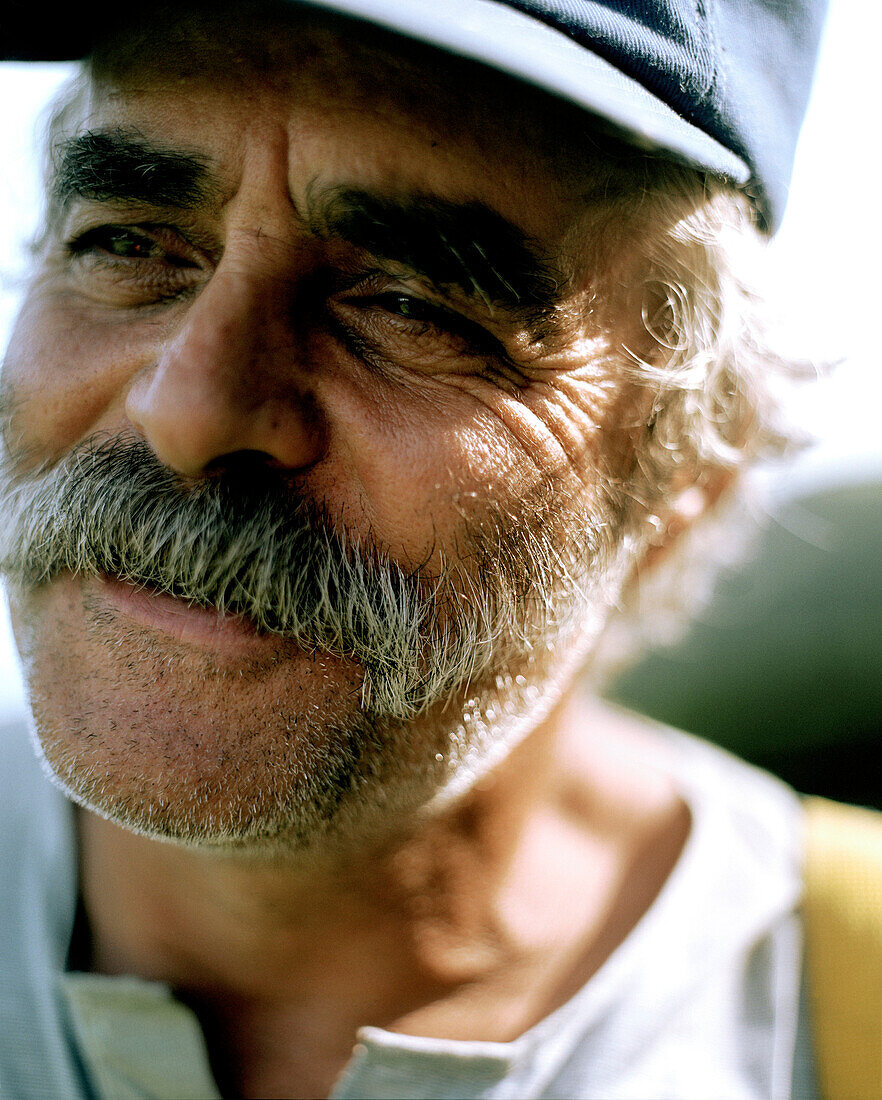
(227,635)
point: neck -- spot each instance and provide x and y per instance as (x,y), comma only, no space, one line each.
(473,925)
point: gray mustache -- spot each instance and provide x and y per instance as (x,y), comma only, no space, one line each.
(241,541)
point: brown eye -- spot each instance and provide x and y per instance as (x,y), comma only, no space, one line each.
(124,244)
(124,266)
(421,312)
(131,245)
(413,309)
(411,328)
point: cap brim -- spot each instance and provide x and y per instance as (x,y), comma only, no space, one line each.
(493,34)
(526,48)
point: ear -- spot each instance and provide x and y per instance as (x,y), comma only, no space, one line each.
(674,515)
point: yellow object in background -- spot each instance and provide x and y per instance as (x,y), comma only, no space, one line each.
(843,921)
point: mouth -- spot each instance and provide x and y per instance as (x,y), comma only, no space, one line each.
(226,634)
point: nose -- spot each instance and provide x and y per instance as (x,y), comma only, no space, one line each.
(231,379)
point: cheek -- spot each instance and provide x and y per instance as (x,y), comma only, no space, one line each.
(65,376)
(424,456)
(398,459)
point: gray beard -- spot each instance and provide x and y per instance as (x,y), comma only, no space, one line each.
(468,653)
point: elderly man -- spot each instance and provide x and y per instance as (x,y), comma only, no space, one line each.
(379,360)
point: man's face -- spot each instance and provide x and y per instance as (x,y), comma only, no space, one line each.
(305,276)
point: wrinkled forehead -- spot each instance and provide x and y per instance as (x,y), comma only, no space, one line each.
(223,71)
(295,50)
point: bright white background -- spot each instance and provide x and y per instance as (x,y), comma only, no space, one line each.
(825,262)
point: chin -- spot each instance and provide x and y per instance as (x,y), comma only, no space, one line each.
(231,768)
(279,783)
(271,751)
(274,757)
(270,780)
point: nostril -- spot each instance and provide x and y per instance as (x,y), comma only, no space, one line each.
(246,466)
(241,460)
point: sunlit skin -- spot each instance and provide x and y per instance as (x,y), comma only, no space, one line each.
(215,330)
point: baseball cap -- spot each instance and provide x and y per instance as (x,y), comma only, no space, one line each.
(720,85)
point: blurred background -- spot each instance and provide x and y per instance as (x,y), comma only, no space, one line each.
(785,665)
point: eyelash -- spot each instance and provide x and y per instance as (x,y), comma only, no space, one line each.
(430,315)
(100,238)
(419,315)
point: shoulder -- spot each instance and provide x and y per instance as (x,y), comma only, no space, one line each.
(38,891)
(34,816)
(37,853)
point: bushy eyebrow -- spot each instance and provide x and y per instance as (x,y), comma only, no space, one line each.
(462,246)
(120,165)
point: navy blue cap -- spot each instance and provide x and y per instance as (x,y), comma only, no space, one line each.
(720,85)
